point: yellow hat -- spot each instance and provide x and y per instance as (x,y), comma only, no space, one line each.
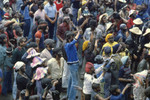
(108,36)
(136,30)
(85,45)
(147,31)
(84,2)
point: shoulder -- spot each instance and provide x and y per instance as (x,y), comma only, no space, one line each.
(51,61)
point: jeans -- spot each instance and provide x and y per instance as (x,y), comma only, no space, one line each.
(7,83)
(73,81)
(26,27)
(75,15)
(51,29)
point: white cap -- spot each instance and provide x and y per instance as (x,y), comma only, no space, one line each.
(18,65)
(5,1)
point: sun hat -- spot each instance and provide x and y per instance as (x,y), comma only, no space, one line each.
(5,1)
(131,12)
(40,73)
(18,65)
(123,1)
(101,16)
(147,45)
(37,61)
(147,31)
(88,66)
(135,30)
(6,15)
(138,21)
(108,25)
(32,53)
(86,12)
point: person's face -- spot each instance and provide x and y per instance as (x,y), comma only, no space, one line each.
(92,71)
(23,68)
(128,63)
(111,39)
(104,19)
(22,44)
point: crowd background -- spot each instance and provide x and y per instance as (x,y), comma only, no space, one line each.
(48,47)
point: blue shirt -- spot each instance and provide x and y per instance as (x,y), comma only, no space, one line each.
(138,2)
(119,97)
(25,13)
(50,10)
(120,35)
(71,52)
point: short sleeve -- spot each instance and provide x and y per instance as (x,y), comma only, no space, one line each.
(38,34)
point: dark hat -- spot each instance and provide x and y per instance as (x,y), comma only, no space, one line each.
(56,50)
(49,42)
(9,50)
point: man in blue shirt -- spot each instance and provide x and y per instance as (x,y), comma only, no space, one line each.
(25,13)
(73,63)
(115,91)
(51,16)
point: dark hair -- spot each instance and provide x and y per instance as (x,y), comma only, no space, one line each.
(93,23)
(21,40)
(113,89)
(95,86)
(68,35)
(55,51)
(39,3)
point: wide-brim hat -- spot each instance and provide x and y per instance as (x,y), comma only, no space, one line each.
(108,25)
(147,45)
(18,65)
(123,1)
(40,73)
(9,50)
(100,18)
(135,30)
(32,53)
(137,21)
(37,61)
(147,32)
(131,12)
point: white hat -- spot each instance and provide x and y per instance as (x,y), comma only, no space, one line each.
(131,12)
(18,65)
(136,30)
(123,1)
(32,53)
(147,45)
(108,25)
(5,1)
(138,21)
(147,31)
(101,16)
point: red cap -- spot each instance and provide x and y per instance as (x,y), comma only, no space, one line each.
(88,66)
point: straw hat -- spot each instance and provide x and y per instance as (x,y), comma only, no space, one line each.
(100,18)
(147,45)
(123,1)
(131,12)
(32,53)
(138,21)
(37,61)
(108,25)
(40,73)
(18,65)
(147,31)
(136,30)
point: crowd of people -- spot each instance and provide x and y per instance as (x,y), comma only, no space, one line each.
(88,49)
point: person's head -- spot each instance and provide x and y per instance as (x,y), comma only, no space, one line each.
(109,38)
(107,51)
(66,20)
(132,14)
(43,25)
(86,13)
(19,32)
(99,59)
(22,42)
(9,51)
(116,17)
(103,18)
(114,90)
(51,2)
(24,1)
(93,24)
(57,53)
(96,87)
(65,10)
(126,61)
(123,28)
(49,44)
(37,18)
(3,39)
(19,67)
(138,22)
(40,5)
(135,32)
(6,3)
(89,68)
(69,36)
